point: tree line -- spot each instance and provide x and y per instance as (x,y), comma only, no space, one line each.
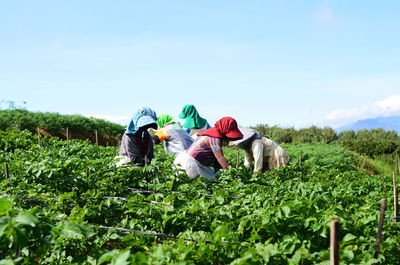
(372,143)
(55,125)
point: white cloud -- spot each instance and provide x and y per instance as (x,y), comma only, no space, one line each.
(388,107)
(117,119)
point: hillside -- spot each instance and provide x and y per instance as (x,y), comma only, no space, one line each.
(386,123)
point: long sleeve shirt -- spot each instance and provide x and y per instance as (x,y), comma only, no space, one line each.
(131,148)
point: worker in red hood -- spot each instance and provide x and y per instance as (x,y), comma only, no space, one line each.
(206,151)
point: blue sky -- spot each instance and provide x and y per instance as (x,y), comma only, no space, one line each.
(287,63)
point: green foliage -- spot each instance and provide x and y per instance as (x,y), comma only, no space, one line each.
(312,134)
(55,124)
(383,165)
(372,143)
(323,155)
(52,212)
(14,139)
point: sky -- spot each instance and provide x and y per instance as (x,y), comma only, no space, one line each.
(287,63)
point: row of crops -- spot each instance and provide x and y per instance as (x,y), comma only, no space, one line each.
(66,203)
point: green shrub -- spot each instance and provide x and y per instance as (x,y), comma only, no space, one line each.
(312,134)
(55,124)
(372,142)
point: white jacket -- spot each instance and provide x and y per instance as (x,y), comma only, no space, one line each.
(266,154)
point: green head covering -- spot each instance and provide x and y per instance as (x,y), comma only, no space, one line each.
(164,119)
(193,119)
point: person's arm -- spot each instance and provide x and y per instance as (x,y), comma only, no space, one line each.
(257,148)
(248,158)
(150,152)
(219,155)
(156,139)
(160,135)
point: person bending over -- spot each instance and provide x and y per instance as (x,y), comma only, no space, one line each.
(137,143)
(174,137)
(206,151)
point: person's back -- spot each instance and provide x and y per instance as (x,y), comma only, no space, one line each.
(206,151)
(264,152)
(203,149)
(174,137)
(274,154)
(179,141)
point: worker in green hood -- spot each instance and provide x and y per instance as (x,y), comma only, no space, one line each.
(193,122)
(174,137)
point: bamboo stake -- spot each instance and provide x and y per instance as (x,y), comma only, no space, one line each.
(395,195)
(67,134)
(396,203)
(380,227)
(383,184)
(6,169)
(97,139)
(38,131)
(237,158)
(145,160)
(335,242)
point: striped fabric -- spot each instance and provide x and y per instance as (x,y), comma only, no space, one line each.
(203,149)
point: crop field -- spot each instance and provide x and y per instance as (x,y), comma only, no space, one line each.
(64,202)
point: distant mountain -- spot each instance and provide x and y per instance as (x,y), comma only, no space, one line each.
(387,123)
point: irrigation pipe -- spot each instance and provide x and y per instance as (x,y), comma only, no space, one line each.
(91,198)
(125,230)
(208,196)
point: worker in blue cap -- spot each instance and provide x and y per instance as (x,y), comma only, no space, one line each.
(137,143)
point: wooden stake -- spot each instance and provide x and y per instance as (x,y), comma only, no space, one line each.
(380,227)
(67,132)
(38,132)
(383,184)
(396,202)
(398,253)
(237,158)
(106,143)
(87,172)
(6,169)
(97,139)
(335,242)
(145,160)
(394,179)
